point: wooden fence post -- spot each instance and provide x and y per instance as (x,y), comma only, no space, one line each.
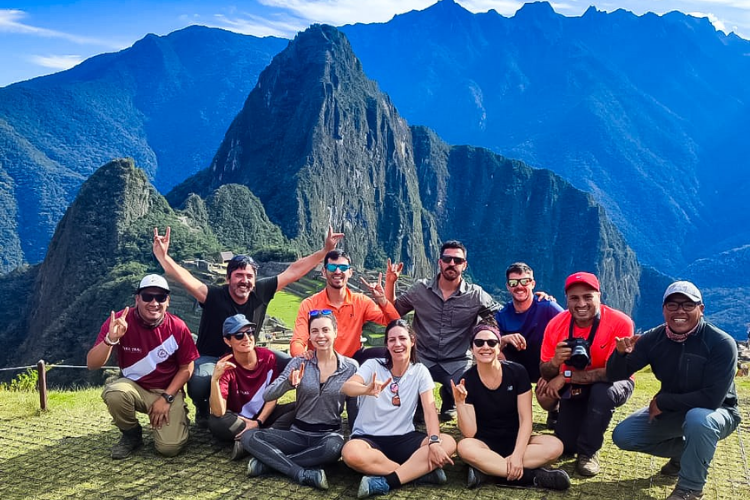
(42,371)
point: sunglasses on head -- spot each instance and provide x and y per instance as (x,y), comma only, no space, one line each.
(447,259)
(523,282)
(489,342)
(320,312)
(241,335)
(396,399)
(331,268)
(148,297)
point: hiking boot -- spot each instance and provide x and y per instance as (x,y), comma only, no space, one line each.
(131,440)
(588,466)
(315,478)
(372,485)
(551,479)
(436,476)
(671,468)
(256,468)
(238,451)
(684,494)
(475,478)
(552,417)
(447,415)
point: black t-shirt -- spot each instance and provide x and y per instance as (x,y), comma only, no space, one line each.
(497,410)
(219,305)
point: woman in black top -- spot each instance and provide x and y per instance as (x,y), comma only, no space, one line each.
(493,402)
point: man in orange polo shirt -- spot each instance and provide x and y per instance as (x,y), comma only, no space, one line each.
(352,310)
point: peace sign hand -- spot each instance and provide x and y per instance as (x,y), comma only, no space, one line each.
(161,243)
(296,376)
(332,239)
(374,388)
(376,288)
(117,326)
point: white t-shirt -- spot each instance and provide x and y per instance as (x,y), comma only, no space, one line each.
(377,415)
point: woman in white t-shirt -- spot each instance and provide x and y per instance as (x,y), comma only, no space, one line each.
(493,403)
(384,444)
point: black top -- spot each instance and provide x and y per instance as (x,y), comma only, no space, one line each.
(497,410)
(219,305)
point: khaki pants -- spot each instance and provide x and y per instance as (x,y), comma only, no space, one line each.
(125,397)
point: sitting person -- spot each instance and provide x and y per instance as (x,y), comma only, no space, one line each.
(384,444)
(493,402)
(237,387)
(315,438)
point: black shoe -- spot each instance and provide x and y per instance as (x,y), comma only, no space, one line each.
(552,417)
(238,451)
(447,415)
(315,478)
(475,478)
(131,440)
(201,419)
(682,494)
(551,479)
(436,476)
(671,468)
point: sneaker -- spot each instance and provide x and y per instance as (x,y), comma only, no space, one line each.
(588,466)
(447,415)
(436,476)
(238,451)
(130,441)
(315,478)
(475,478)
(671,468)
(552,419)
(256,468)
(683,494)
(551,479)
(372,485)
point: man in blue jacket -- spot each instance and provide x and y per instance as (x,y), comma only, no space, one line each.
(697,403)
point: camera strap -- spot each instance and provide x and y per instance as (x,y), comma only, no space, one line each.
(592,333)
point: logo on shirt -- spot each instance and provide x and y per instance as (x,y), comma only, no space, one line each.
(131,349)
(510,388)
(162,354)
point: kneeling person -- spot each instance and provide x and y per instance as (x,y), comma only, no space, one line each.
(237,387)
(155,352)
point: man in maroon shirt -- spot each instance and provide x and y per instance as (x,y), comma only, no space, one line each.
(155,352)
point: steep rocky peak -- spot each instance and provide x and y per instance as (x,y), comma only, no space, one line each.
(536,11)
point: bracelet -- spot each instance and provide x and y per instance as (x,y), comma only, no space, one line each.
(109,342)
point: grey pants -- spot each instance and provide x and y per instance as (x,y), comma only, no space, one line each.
(226,427)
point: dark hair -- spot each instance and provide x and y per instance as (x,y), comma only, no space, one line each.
(240,262)
(336,254)
(328,316)
(388,363)
(518,268)
(453,244)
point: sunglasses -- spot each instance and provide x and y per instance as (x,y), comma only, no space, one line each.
(447,259)
(241,335)
(148,297)
(489,342)
(331,268)
(686,306)
(320,312)
(523,282)
(395,400)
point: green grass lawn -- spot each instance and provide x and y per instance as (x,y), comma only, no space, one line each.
(64,453)
(284,306)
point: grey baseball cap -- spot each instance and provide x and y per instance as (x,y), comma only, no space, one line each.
(685,288)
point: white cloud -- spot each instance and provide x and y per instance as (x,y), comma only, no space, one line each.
(249,24)
(338,12)
(10,22)
(507,8)
(56,62)
(718,24)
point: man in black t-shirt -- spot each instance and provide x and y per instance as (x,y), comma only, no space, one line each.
(241,295)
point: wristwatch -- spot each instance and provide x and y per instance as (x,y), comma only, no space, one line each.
(567,374)
(168,397)
(434,440)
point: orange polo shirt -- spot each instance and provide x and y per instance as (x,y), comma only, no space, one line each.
(356,310)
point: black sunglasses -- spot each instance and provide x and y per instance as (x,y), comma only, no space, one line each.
(523,282)
(241,335)
(686,306)
(148,297)
(320,312)
(447,259)
(489,342)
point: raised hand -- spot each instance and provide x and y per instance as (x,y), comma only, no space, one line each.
(296,376)
(625,345)
(393,271)
(376,288)
(374,388)
(161,243)
(459,391)
(332,239)
(117,326)
(223,365)
(515,339)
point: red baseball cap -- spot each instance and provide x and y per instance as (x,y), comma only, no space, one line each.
(581,277)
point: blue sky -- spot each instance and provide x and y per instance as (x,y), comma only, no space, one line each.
(43,37)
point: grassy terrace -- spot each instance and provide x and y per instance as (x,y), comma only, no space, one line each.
(64,453)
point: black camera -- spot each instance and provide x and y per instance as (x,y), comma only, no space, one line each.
(580,356)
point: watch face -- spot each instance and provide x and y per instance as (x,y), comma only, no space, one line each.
(168,397)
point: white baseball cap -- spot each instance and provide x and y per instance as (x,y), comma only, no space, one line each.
(685,288)
(153,280)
